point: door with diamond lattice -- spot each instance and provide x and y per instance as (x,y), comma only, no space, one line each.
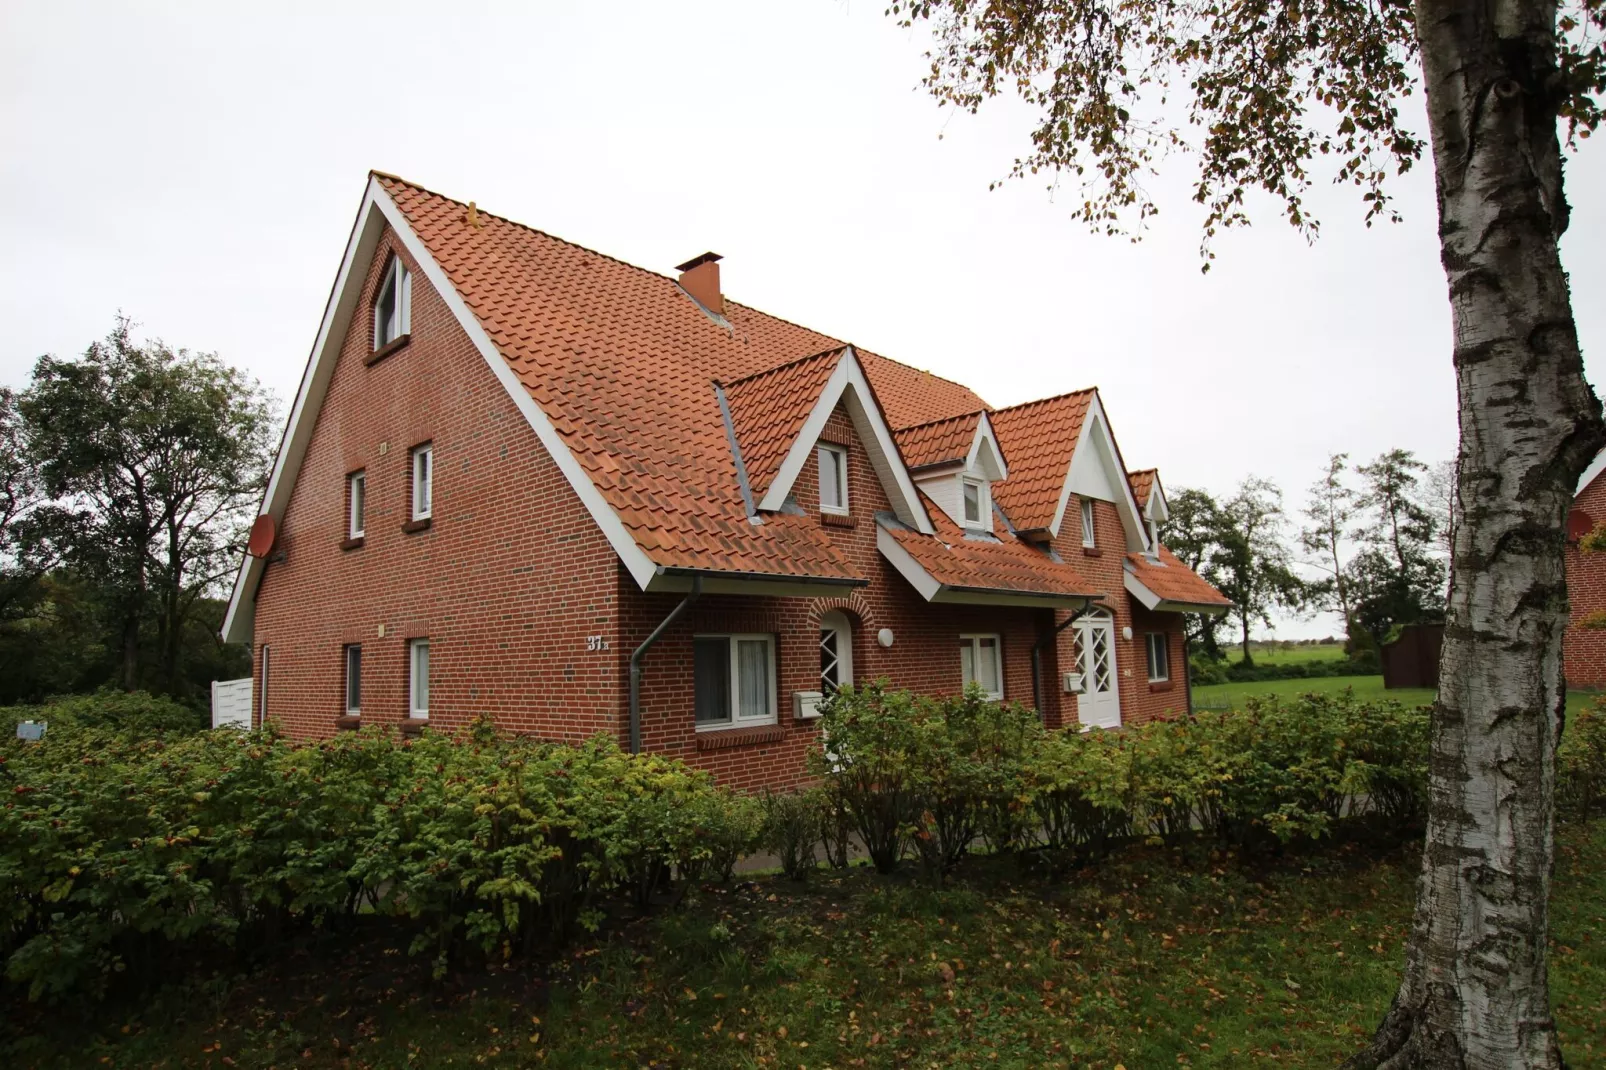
(1099,704)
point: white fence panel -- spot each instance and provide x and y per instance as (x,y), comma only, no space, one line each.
(231,703)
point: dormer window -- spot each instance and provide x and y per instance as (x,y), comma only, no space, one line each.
(393,304)
(975,502)
(1088,539)
(833,479)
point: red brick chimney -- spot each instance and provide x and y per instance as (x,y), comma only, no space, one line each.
(699,277)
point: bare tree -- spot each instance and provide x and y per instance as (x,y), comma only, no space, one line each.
(1331,510)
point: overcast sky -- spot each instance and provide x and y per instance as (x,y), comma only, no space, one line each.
(199,168)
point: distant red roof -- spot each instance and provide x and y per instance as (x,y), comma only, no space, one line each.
(1142,484)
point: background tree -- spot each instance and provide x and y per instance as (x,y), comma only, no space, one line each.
(165,454)
(1397,578)
(1273,95)
(1191,533)
(32,530)
(1331,510)
(1251,562)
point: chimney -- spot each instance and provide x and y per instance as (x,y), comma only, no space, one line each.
(699,277)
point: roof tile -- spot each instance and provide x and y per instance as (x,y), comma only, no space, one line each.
(623,363)
(939,441)
(1039,438)
(1007,565)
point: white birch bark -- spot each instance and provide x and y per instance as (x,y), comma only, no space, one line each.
(1475,995)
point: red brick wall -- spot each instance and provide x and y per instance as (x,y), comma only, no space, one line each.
(513,576)
(510,578)
(1140,700)
(924,656)
(1585,648)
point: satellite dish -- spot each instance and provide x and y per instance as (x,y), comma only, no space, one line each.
(1579,524)
(263,534)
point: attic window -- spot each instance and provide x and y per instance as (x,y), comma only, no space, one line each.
(393,304)
(1088,539)
(833,479)
(975,496)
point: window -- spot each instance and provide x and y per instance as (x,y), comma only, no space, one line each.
(354,680)
(980,662)
(262,690)
(974,495)
(836,651)
(418,678)
(356,499)
(393,305)
(734,680)
(423,480)
(1087,523)
(833,478)
(1159,657)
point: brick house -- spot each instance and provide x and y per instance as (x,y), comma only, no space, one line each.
(1584,649)
(523,479)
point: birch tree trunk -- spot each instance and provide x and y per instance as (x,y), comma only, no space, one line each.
(1475,994)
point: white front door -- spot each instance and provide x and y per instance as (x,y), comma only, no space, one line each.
(1099,704)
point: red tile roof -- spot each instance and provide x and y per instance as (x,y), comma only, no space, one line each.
(623,364)
(939,441)
(1142,483)
(1008,565)
(1173,581)
(768,410)
(1039,438)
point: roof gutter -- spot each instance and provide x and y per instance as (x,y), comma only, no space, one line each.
(641,652)
(761,577)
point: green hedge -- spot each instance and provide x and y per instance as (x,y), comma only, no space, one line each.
(115,847)
(931,778)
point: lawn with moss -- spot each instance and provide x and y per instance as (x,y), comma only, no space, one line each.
(1158,957)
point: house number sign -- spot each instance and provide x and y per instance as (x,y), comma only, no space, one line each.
(595,643)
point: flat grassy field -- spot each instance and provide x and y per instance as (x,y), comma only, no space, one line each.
(1278,655)
(1365,687)
(1160,957)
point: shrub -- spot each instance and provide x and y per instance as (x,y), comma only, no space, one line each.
(1081,787)
(792,827)
(1581,763)
(115,846)
(138,712)
(869,738)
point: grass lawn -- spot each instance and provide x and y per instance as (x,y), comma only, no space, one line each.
(1278,655)
(1160,957)
(1366,687)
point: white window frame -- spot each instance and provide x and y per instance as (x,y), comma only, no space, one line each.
(417,651)
(839,460)
(1162,642)
(982,503)
(422,459)
(351,678)
(399,283)
(974,639)
(731,718)
(1089,530)
(356,504)
(837,621)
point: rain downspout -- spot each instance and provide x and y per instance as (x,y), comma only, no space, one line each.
(1037,655)
(641,652)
